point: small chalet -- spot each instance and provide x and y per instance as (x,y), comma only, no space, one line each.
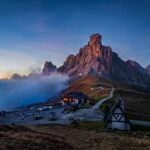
(75,98)
(117,118)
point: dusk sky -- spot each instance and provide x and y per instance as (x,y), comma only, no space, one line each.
(33,31)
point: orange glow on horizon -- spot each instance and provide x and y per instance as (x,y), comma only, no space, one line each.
(8,74)
(4,76)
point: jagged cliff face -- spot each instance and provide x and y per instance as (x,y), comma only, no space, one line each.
(49,68)
(92,58)
(96,59)
(148,69)
(128,72)
(136,66)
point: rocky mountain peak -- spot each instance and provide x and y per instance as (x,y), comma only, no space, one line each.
(91,58)
(94,45)
(49,68)
(148,69)
(97,59)
(135,65)
(95,39)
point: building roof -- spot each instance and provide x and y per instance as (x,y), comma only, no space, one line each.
(116,105)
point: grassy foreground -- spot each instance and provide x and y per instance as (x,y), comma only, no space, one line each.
(78,136)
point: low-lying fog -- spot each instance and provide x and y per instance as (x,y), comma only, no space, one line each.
(21,92)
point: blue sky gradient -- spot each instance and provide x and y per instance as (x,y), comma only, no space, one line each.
(33,31)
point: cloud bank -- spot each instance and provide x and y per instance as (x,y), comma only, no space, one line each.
(21,92)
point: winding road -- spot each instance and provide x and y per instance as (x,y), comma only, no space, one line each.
(89,114)
(93,113)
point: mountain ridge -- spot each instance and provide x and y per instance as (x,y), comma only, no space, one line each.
(96,59)
(148,69)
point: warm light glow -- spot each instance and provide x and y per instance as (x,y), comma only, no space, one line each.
(8,74)
(3,76)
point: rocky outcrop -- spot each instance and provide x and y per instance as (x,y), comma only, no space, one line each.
(97,59)
(128,73)
(92,58)
(135,66)
(148,69)
(17,76)
(48,68)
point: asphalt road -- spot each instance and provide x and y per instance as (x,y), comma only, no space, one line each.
(93,113)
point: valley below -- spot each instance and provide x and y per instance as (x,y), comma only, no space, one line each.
(80,129)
